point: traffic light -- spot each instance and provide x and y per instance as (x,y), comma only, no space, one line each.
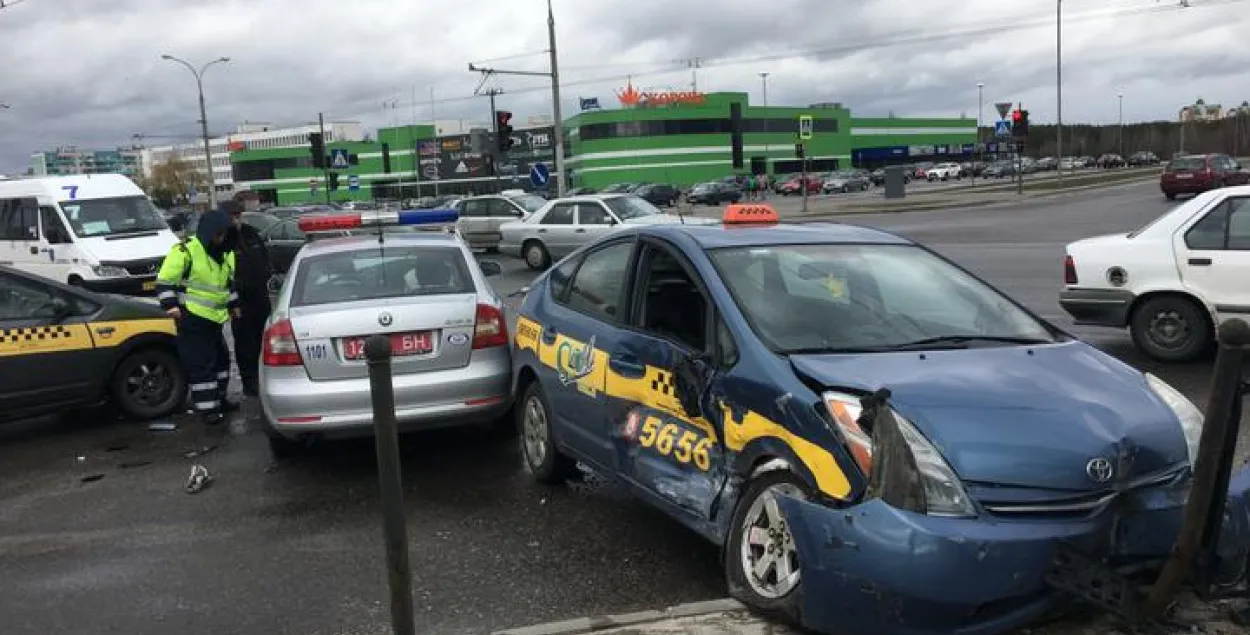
(503,130)
(1019,123)
(334,181)
(799,150)
(317,147)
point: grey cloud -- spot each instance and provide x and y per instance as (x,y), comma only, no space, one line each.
(88,72)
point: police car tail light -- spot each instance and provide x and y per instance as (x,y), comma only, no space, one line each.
(279,347)
(383,218)
(932,488)
(1069,270)
(489,329)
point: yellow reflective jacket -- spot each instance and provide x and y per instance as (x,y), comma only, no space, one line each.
(190,278)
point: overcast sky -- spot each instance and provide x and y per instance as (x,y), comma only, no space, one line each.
(89,72)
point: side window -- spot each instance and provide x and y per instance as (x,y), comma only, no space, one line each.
(22,299)
(1239,224)
(500,208)
(53,229)
(19,218)
(1209,233)
(560,277)
(474,208)
(598,284)
(672,307)
(559,215)
(592,214)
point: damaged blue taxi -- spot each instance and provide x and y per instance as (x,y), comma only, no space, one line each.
(879,441)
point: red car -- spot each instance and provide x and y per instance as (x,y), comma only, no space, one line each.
(1198,173)
(795,186)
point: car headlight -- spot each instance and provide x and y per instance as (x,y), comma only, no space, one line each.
(109,271)
(1189,416)
(937,489)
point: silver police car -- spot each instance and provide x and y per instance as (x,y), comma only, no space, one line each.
(449,338)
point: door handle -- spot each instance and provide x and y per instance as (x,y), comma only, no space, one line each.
(579,231)
(34,251)
(1200,262)
(105,331)
(542,231)
(549,334)
(627,365)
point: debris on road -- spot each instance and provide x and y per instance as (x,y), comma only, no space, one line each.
(200,451)
(199,479)
(162,426)
(126,465)
(91,478)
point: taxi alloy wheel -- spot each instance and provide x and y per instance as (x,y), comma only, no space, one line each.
(147,384)
(536,256)
(761,557)
(1172,328)
(542,459)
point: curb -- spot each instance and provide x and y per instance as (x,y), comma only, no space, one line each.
(583,625)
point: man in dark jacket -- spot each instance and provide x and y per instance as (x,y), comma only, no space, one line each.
(252,282)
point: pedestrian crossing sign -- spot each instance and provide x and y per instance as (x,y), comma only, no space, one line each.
(338,159)
(1002,128)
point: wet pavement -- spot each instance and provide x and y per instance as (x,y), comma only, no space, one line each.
(296,547)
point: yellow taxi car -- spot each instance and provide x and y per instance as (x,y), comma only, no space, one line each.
(63,347)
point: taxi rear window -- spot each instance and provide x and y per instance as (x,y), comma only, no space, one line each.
(390,272)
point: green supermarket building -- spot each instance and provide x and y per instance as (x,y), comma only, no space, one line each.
(678,138)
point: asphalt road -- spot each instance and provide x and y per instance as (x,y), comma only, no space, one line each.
(296,547)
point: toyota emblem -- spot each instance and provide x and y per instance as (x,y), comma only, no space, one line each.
(1100,470)
(385,318)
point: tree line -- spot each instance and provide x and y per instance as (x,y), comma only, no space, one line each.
(1230,135)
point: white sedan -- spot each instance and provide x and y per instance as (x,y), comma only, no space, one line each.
(1169,282)
(561,226)
(944,172)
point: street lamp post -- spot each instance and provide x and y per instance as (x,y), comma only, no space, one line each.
(1120,97)
(558,128)
(980,111)
(1059,88)
(208,153)
(764,83)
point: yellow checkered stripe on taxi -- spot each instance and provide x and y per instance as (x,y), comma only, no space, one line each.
(663,383)
(34,333)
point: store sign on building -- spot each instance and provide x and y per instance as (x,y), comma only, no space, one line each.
(632,97)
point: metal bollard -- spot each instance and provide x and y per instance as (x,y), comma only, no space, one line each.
(1209,487)
(394,526)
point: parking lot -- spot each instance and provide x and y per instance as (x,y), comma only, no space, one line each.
(97,534)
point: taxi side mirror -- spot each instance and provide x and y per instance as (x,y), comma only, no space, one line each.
(490,268)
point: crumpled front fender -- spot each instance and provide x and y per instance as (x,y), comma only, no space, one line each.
(872,569)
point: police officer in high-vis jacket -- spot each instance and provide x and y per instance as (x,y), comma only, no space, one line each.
(196,287)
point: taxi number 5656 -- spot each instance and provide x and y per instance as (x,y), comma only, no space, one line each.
(669,439)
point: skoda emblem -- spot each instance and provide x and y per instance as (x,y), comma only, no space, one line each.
(385,318)
(1099,470)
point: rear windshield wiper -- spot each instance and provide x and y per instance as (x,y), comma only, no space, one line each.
(962,341)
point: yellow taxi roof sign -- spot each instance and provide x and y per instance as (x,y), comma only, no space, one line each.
(750,213)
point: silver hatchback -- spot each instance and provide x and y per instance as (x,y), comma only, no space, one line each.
(449,338)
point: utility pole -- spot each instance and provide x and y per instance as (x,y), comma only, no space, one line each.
(325,165)
(1120,96)
(558,126)
(1059,90)
(980,111)
(412,145)
(434,122)
(554,74)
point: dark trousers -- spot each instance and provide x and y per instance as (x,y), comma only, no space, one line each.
(248,331)
(205,360)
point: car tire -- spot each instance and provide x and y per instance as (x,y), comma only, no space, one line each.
(846,189)
(1172,328)
(775,597)
(536,256)
(540,456)
(1171,196)
(148,383)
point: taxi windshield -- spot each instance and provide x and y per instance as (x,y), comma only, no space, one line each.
(530,202)
(370,274)
(627,207)
(112,216)
(830,298)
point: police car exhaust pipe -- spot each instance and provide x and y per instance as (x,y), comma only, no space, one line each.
(1213,462)
(394,525)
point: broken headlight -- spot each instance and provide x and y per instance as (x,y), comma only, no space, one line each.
(1189,416)
(904,468)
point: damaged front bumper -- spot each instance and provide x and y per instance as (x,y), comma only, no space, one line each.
(873,569)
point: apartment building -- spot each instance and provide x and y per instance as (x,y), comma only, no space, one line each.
(67,160)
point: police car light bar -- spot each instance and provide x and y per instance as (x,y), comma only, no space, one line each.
(384,218)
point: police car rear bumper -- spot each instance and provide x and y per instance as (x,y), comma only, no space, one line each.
(137,286)
(872,569)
